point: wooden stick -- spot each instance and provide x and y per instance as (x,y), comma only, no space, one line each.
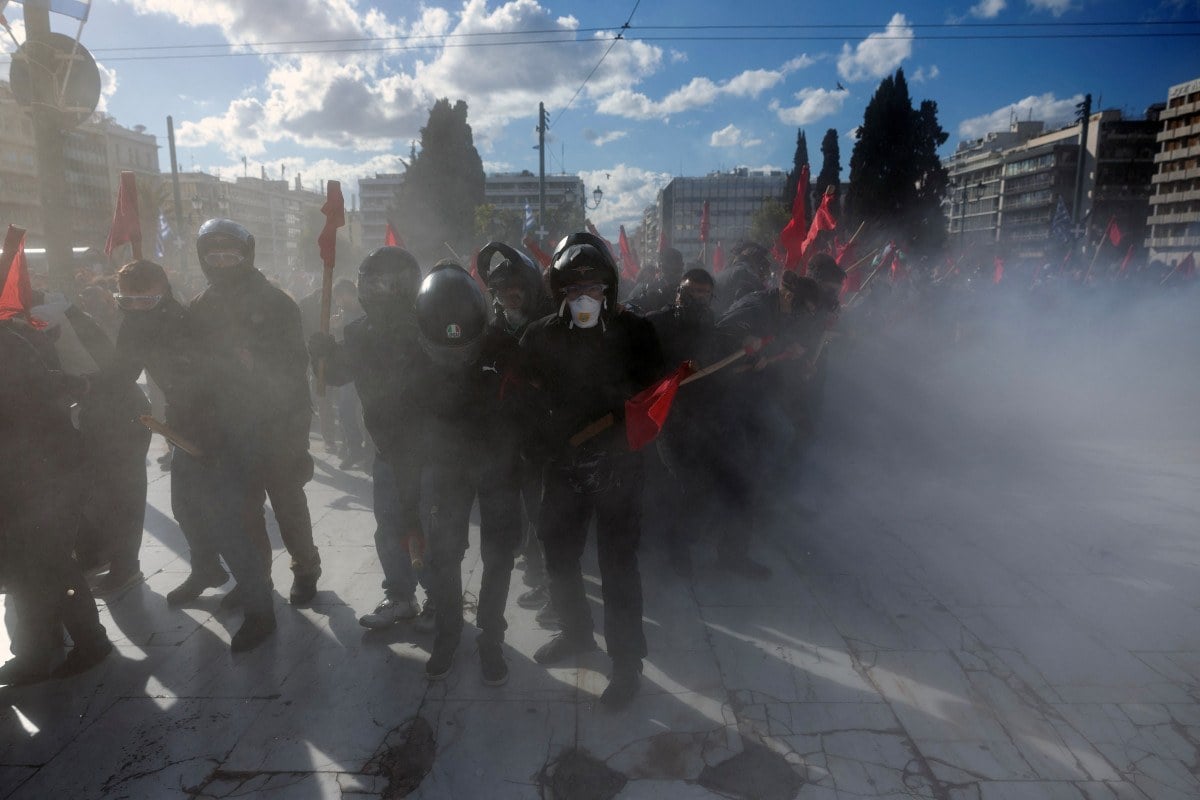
(862,260)
(326,307)
(168,433)
(855,236)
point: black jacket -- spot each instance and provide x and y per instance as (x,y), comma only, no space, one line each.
(580,375)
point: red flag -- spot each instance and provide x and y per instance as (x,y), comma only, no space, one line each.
(391,238)
(792,235)
(15,290)
(125,228)
(997,270)
(1113,232)
(335,217)
(475,271)
(897,270)
(538,253)
(646,412)
(704,223)
(629,263)
(592,230)
(1125,261)
(718,260)
(1187,267)
(823,220)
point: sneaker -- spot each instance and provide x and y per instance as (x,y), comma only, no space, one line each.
(426,621)
(562,647)
(304,589)
(622,687)
(193,586)
(548,618)
(115,581)
(536,597)
(441,659)
(254,631)
(745,567)
(492,667)
(21,673)
(389,612)
(81,659)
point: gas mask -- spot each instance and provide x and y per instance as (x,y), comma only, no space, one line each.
(585,311)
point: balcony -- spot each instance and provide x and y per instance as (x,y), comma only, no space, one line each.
(1179,111)
(1166,135)
(1171,242)
(1176,154)
(1173,219)
(1174,197)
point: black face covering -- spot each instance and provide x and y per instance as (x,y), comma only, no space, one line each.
(693,311)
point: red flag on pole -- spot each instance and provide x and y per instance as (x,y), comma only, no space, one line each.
(391,238)
(592,230)
(792,235)
(646,412)
(997,270)
(16,293)
(1187,267)
(718,260)
(1125,261)
(704,223)
(125,228)
(1113,232)
(823,220)
(335,217)
(629,264)
(538,253)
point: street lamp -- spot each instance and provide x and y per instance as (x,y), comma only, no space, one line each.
(597,196)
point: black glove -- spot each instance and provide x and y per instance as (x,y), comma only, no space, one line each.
(321,345)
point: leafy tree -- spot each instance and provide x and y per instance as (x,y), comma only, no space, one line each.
(896,179)
(492,223)
(799,159)
(831,167)
(443,185)
(768,221)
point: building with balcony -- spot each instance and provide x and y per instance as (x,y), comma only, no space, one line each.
(377,200)
(512,191)
(733,198)
(976,168)
(1173,224)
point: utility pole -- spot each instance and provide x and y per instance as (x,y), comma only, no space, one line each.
(179,229)
(50,137)
(1083,113)
(541,231)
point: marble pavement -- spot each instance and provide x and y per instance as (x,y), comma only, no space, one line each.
(958,611)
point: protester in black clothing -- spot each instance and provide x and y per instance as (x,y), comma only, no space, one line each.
(749,271)
(241,314)
(41,494)
(472,411)
(382,356)
(659,290)
(585,361)
(214,497)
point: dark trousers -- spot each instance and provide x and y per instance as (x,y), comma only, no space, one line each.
(349,411)
(285,475)
(396,482)
(701,472)
(531,503)
(114,511)
(563,527)
(220,504)
(46,588)
(453,488)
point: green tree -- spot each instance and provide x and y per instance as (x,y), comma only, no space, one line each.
(443,185)
(799,159)
(831,166)
(896,179)
(497,224)
(768,221)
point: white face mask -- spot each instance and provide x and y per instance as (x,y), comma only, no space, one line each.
(585,311)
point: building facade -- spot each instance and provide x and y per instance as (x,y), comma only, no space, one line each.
(377,201)
(733,198)
(976,169)
(1174,220)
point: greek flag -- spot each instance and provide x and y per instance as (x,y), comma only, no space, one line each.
(164,236)
(1060,225)
(528,218)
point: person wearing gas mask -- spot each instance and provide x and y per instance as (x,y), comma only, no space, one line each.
(584,362)
(381,354)
(242,314)
(41,493)
(472,449)
(687,332)
(519,298)
(213,497)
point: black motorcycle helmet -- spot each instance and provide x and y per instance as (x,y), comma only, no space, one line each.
(221,235)
(583,256)
(515,268)
(452,315)
(388,279)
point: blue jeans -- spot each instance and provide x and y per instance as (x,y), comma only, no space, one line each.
(397,489)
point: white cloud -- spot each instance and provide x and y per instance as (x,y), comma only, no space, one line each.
(678,56)
(697,93)
(815,104)
(627,192)
(108,85)
(852,134)
(926,74)
(878,54)
(988,9)
(1055,7)
(601,139)
(729,136)
(1045,107)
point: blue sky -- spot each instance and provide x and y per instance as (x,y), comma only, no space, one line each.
(687,91)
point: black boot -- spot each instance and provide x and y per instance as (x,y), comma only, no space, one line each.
(622,687)
(193,586)
(254,631)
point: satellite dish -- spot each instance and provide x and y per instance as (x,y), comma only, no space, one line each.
(71,71)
